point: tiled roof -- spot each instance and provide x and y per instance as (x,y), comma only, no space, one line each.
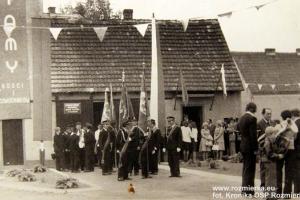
(281,69)
(81,63)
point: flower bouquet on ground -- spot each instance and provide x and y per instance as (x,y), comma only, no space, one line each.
(26,177)
(39,169)
(14,172)
(67,183)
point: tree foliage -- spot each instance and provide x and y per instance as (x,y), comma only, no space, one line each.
(93,10)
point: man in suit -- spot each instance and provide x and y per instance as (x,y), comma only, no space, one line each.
(155,140)
(122,150)
(106,146)
(74,151)
(296,118)
(81,144)
(136,138)
(59,149)
(89,148)
(261,127)
(247,125)
(173,145)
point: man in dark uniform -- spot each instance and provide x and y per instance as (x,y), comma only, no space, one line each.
(249,146)
(67,135)
(113,136)
(59,149)
(89,141)
(74,152)
(296,118)
(173,145)
(136,138)
(147,151)
(261,127)
(122,147)
(121,139)
(106,146)
(155,140)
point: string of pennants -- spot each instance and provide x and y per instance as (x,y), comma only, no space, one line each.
(142,28)
(273,86)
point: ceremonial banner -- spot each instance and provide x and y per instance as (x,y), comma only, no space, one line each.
(144,110)
(112,105)
(106,114)
(223,80)
(14,75)
(185,96)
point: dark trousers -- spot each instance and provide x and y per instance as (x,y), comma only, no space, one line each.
(153,162)
(67,160)
(173,159)
(99,157)
(107,164)
(133,161)
(74,160)
(289,171)
(270,179)
(123,166)
(262,174)
(89,159)
(60,160)
(249,164)
(297,176)
(144,157)
(279,168)
(82,158)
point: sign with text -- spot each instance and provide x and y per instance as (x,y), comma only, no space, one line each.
(14,74)
(72,108)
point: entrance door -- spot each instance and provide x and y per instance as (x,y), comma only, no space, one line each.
(12,142)
(194,113)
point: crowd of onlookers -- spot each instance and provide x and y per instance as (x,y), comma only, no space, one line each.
(213,140)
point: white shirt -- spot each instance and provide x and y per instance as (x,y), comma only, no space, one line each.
(80,133)
(194,134)
(97,133)
(186,134)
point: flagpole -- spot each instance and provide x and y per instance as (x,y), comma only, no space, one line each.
(176,94)
(213,100)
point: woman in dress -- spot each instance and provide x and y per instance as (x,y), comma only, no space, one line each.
(219,139)
(232,137)
(206,141)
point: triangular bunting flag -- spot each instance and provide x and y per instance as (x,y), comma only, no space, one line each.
(259,86)
(185,23)
(273,86)
(259,6)
(246,85)
(142,28)
(227,14)
(55,32)
(100,31)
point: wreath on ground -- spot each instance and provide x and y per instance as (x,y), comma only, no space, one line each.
(26,177)
(39,169)
(67,183)
(14,172)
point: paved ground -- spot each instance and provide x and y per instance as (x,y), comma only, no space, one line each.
(194,184)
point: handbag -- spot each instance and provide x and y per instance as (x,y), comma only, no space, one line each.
(215,147)
(209,143)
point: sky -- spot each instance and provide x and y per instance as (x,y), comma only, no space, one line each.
(276,25)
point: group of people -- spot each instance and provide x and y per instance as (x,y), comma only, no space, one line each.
(129,149)
(277,144)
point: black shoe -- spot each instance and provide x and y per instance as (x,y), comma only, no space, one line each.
(127,178)
(171,176)
(154,173)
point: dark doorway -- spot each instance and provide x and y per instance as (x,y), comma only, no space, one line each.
(12,142)
(194,113)
(97,109)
